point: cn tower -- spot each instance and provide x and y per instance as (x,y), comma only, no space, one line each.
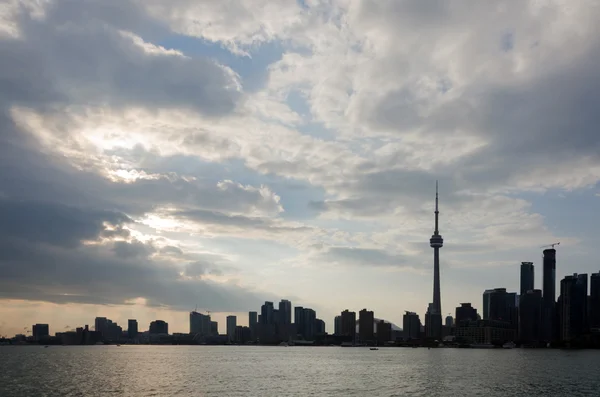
(434,314)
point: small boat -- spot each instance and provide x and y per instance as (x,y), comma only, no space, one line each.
(373,348)
(45,346)
(118,345)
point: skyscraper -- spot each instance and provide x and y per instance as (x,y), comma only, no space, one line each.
(526,277)
(594,308)
(465,312)
(199,324)
(549,294)
(40,331)
(285,312)
(503,306)
(337,325)
(530,317)
(266,313)
(486,303)
(158,327)
(252,319)
(572,309)
(433,319)
(411,326)
(348,323)
(231,324)
(366,322)
(132,328)
(309,326)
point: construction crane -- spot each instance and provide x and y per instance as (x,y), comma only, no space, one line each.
(550,245)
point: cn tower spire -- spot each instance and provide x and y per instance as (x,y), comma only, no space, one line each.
(437,212)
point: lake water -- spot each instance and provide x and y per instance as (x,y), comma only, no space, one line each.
(294,371)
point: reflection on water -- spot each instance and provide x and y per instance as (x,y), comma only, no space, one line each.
(294,371)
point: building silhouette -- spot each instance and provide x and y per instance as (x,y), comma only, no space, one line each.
(433,318)
(200,324)
(285,312)
(319,327)
(337,325)
(530,317)
(527,277)
(384,332)
(465,312)
(503,306)
(214,328)
(573,307)
(348,324)
(411,326)
(365,325)
(267,315)
(253,325)
(132,328)
(159,327)
(231,324)
(486,304)
(449,321)
(594,303)
(549,294)
(40,331)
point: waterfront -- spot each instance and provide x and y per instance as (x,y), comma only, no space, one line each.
(294,371)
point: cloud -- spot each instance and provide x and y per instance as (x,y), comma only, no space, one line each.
(61,266)
(66,57)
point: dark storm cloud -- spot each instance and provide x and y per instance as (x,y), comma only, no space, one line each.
(39,222)
(44,258)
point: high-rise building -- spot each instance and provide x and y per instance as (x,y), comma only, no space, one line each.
(366,323)
(549,294)
(252,319)
(486,303)
(159,327)
(267,313)
(449,321)
(530,317)
(319,327)
(502,306)
(214,328)
(299,318)
(526,277)
(594,306)
(573,307)
(337,325)
(285,312)
(132,328)
(199,324)
(231,324)
(411,326)
(465,312)
(310,317)
(433,319)
(348,323)
(101,326)
(384,332)
(40,331)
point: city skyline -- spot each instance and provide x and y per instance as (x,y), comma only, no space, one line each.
(158,156)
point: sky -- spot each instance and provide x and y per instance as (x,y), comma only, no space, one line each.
(159,156)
